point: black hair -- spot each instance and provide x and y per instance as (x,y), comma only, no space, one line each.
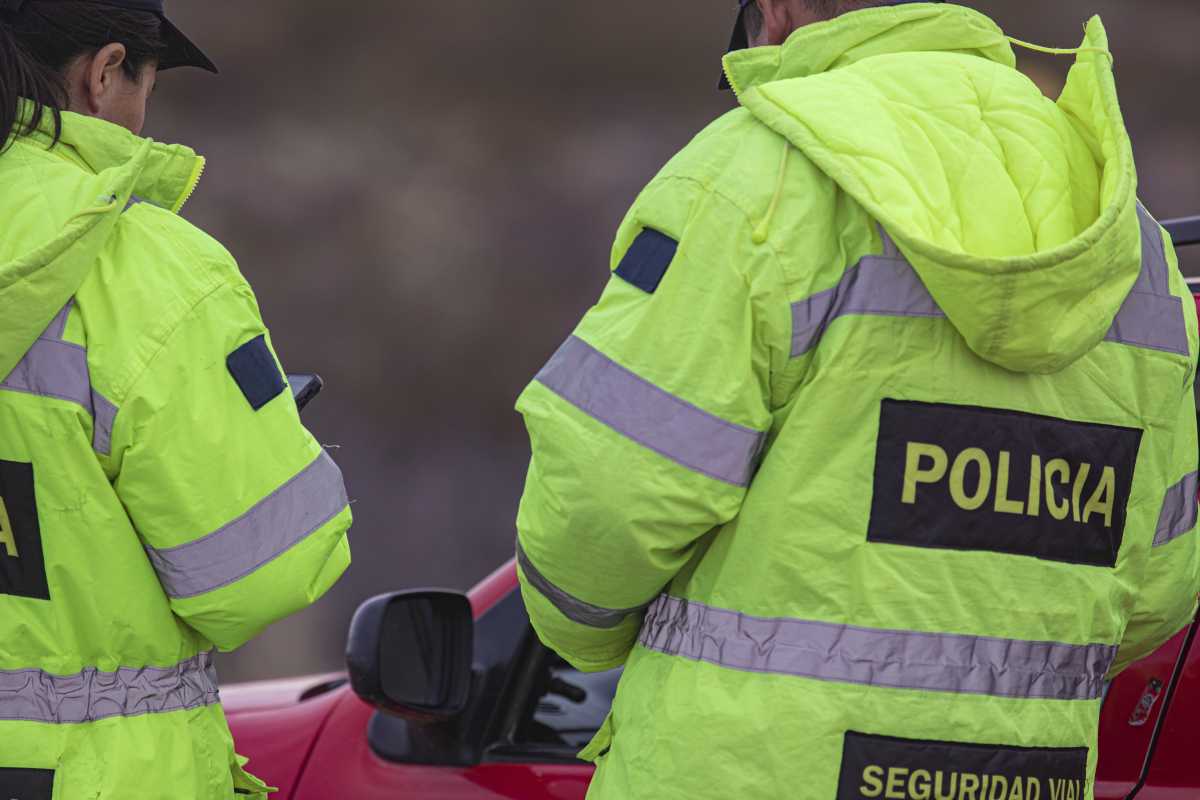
(40,40)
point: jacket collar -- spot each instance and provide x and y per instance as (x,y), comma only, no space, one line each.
(858,35)
(166,174)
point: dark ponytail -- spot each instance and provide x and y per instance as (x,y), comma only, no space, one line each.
(40,40)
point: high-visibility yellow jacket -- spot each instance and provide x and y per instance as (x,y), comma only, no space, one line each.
(159,497)
(878,455)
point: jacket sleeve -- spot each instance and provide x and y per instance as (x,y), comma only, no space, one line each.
(647,423)
(1167,600)
(242,513)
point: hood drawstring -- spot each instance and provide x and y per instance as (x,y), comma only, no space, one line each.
(764,227)
(1061,51)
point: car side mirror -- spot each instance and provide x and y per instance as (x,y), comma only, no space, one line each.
(410,653)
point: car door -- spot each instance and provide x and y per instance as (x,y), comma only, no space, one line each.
(1132,714)
(1173,769)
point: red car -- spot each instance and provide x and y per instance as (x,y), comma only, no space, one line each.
(454,698)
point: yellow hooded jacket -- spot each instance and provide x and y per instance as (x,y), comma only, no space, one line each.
(877,457)
(159,497)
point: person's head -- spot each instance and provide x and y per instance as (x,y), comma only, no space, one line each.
(94,58)
(773,21)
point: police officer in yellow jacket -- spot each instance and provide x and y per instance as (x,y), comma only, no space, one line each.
(159,497)
(877,458)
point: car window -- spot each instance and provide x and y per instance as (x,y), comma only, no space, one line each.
(567,707)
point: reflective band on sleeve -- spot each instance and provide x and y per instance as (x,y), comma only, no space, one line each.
(1179,511)
(572,607)
(289,515)
(1151,317)
(36,696)
(59,370)
(639,410)
(1155,277)
(876,286)
(1152,322)
(894,659)
(105,416)
(53,369)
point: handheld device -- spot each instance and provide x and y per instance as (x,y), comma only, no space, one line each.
(305,388)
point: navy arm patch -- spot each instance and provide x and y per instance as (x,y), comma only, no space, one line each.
(647,260)
(256,373)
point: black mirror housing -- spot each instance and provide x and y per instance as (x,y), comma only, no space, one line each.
(410,653)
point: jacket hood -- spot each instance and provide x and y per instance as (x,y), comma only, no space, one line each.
(1019,213)
(60,207)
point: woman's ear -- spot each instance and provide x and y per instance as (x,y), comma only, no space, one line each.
(777,20)
(101,75)
(781,18)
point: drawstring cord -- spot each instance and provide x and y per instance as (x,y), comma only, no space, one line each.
(764,227)
(1060,51)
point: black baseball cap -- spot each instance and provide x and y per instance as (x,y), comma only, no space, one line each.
(181,52)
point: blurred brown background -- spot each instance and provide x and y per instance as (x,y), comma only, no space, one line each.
(424,196)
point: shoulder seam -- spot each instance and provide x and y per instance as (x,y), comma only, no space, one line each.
(119,401)
(166,341)
(779,278)
(174,237)
(776,255)
(207,282)
(708,187)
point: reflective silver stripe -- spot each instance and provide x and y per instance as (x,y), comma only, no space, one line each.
(876,286)
(59,370)
(890,249)
(53,369)
(1155,277)
(286,517)
(36,696)
(105,416)
(895,659)
(572,607)
(655,419)
(887,285)
(1151,322)
(1151,318)
(1179,510)
(58,326)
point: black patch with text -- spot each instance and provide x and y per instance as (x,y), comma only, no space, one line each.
(26,784)
(256,373)
(22,565)
(647,260)
(878,767)
(966,478)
